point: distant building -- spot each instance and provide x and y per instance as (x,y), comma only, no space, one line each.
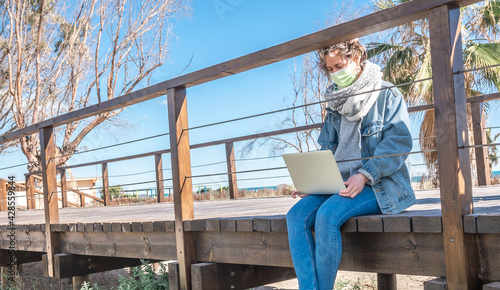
(85,185)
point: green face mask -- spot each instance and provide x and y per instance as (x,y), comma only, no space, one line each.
(346,76)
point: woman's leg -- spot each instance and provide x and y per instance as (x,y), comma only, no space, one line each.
(300,222)
(329,218)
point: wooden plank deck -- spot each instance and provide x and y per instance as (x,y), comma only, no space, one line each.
(486,202)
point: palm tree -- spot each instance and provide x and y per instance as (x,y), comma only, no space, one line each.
(405,57)
(493,150)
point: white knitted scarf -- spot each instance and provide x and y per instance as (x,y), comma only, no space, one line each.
(352,101)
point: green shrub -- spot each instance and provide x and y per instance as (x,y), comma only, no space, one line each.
(204,190)
(87,286)
(114,191)
(142,278)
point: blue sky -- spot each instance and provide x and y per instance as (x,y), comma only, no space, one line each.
(215,32)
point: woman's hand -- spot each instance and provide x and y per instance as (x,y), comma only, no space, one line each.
(295,193)
(355,185)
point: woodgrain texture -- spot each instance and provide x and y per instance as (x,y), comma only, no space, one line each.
(482,155)
(68,266)
(82,200)
(388,253)
(105,184)
(182,184)
(64,188)
(159,178)
(21,257)
(396,224)
(386,282)
(219,276)
(50,202)
(204,276)
(427,224)
(488,224)
(231,167)
(3,195)
(435,284)
(452,133)
(370,224)
(173,275)
(30,192)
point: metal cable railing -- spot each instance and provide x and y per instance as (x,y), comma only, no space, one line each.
(166,169)
(126,184)
(304,105)
(476,69)
(114,145)
(13,166)
(284,167)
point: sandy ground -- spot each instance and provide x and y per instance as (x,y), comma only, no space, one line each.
(32,278)
(364,280)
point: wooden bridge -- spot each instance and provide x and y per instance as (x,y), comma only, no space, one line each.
(453,232)
(252,239)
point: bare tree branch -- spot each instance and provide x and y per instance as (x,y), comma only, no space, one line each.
(57,63)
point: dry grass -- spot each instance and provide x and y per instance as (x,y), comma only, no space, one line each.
(132,200)
(224,194)
(218,194)
(425,183)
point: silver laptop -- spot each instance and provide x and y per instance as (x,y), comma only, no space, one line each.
(314,172)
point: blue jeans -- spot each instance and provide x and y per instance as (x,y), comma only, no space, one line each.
(316,262)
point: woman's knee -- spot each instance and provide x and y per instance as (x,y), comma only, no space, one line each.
(329,216)
(295,214)
(303,211)
(295,221)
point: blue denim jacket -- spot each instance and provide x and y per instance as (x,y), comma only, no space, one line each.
(384,130)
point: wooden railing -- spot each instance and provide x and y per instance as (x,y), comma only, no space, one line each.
(483,171)
(451,129)
(31,191)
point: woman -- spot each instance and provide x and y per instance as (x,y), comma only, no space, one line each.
(366,117)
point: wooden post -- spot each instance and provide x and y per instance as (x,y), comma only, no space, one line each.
(50,202)
(4,282)
(386,282)
(82,200)
(79,280)
(29,189)
(173,275)
(159,178)
(204,276)
(435,284)
(64,188)
(231,167)
(218,276)
(105,184)
(6,273)
(3,195)
(30,192)
(450,110)
(482,156)
(492,286)
(183,186)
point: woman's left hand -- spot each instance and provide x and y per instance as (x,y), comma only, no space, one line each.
(355,185)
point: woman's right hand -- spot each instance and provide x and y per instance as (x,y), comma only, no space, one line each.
(295,194)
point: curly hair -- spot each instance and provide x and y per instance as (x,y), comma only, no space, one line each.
(348,50)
